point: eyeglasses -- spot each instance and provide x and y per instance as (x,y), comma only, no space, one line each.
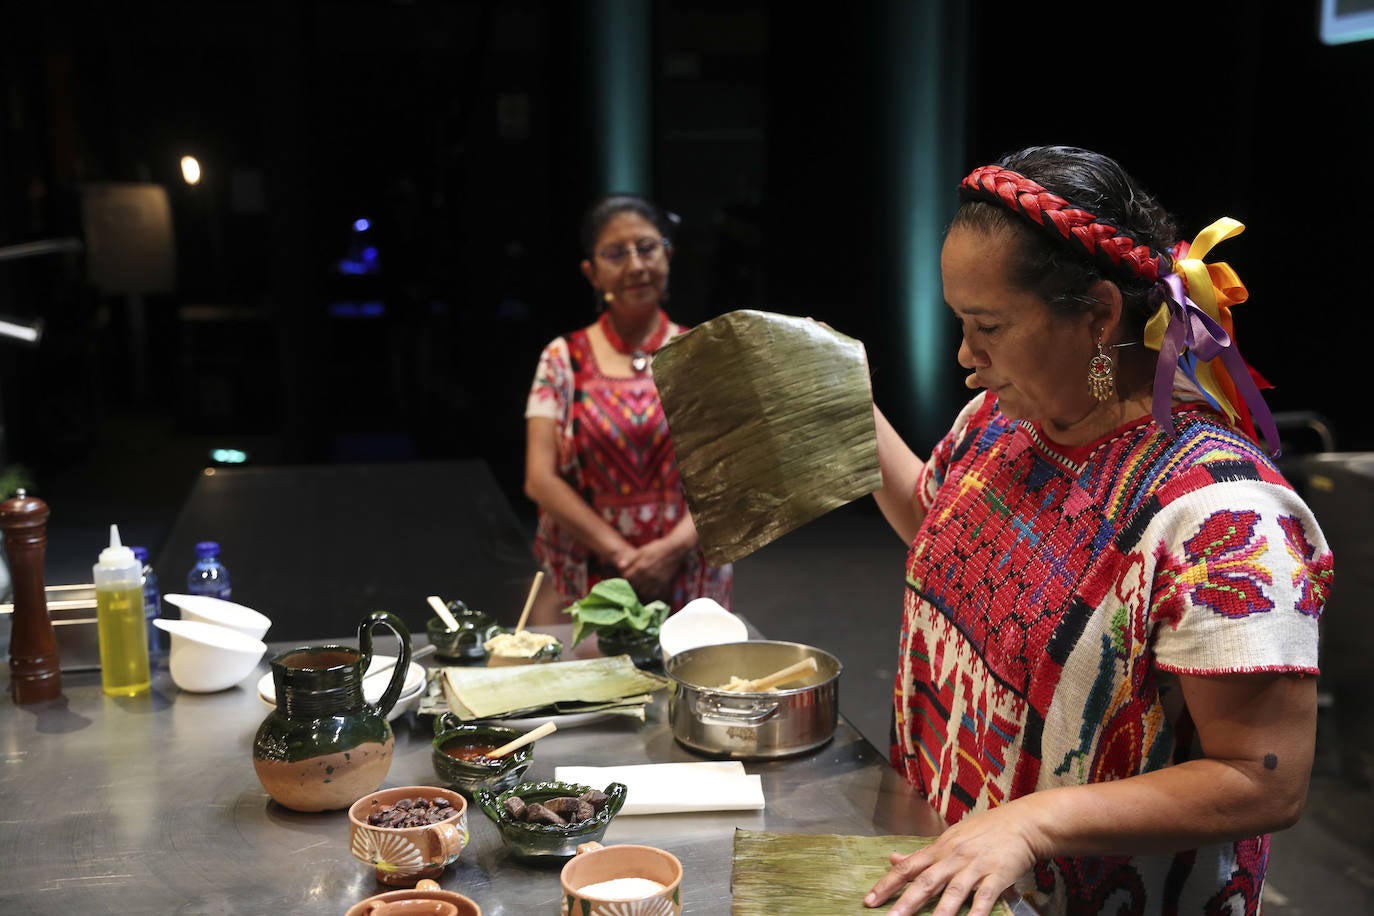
(647,249)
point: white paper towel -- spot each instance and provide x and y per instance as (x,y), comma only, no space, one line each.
(674,788)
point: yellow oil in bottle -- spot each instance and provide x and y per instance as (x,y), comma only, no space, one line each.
(123,641)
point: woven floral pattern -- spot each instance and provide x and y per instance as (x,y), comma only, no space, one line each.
(1053,597)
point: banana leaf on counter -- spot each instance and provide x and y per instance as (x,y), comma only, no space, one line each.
(805,874)
(772,424)
(581,685)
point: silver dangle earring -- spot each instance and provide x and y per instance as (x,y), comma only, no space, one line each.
(1101,380)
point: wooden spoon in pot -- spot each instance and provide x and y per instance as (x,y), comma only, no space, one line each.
(781,676)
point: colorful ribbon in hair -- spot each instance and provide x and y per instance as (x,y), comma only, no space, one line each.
(1193,331)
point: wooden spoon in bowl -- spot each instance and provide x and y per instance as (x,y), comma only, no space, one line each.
(444,613)
(529,601)
(546,729)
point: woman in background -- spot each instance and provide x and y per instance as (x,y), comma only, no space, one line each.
(599,461)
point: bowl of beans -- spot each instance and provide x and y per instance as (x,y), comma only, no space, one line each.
(408,834)
(462,756)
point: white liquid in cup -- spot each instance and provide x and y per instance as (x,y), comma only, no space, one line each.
(622,889)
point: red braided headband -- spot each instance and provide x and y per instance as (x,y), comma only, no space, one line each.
(1063,220)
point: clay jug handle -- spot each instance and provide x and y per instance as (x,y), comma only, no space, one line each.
(398,674)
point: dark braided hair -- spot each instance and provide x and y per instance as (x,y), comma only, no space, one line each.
(1077,218)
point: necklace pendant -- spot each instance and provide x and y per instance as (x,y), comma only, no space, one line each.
(639,362)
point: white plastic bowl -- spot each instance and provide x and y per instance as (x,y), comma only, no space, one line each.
(205,658)
(701,622)
(222,613)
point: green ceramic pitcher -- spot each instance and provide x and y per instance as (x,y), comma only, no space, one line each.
(325,746)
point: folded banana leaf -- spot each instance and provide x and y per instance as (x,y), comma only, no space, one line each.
(437,704)
(815,874)
(582,685)
(772,424)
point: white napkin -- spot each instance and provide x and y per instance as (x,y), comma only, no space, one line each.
(673,788)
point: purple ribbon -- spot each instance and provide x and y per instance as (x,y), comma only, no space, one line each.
(1192,330)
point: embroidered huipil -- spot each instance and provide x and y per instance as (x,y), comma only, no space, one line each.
(1052,597)
(615,451)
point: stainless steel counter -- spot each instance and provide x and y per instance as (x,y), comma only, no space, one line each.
(151,805)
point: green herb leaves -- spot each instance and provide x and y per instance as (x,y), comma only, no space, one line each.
(613,605)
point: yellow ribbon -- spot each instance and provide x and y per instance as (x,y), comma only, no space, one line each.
(1214,288)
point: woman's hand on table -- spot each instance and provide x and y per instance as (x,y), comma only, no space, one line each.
(974,860)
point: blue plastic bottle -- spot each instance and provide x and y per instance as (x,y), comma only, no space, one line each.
(152,599)
(209,576)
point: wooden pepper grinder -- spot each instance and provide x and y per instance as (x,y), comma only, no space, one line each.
(35,672)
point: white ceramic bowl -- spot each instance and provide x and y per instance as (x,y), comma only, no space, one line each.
(701,622)
(205,658)
(221,613)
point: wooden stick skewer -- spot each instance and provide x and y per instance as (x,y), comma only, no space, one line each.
(444,613)
(545,729)
(529,602)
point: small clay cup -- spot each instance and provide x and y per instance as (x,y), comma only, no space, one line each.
(464,643)
(426,899)
(402,856)
(595,863)
(642,648)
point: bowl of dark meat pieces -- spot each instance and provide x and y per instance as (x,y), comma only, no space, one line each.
(549,820)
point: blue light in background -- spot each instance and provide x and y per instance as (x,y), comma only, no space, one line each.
(356,309)
(360,261)
(228,456)
(622,77)
(925,97)
(361,225)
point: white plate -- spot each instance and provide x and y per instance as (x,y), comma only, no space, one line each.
(373,687)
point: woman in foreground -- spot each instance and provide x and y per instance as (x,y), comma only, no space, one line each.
(1107,676)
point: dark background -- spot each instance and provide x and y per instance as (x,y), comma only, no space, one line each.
(461,129)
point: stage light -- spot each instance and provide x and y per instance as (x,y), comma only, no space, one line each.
(228,456)
(190,169)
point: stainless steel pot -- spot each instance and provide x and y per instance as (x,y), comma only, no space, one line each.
(794,719)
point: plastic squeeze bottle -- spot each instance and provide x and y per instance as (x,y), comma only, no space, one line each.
(120,621)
